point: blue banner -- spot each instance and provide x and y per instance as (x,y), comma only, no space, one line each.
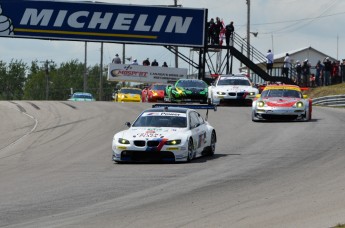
(102,22)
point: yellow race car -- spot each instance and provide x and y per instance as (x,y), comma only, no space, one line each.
(128,94)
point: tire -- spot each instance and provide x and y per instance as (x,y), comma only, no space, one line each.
(212,148)
(190,154)
(254,119)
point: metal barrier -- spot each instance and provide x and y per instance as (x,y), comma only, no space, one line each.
(335,101)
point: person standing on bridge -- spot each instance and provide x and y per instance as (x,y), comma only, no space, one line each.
(229,32)
(269,63)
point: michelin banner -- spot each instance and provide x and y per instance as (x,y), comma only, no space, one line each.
(103,22)
(145,74)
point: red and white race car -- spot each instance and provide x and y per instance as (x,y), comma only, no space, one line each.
(282,102)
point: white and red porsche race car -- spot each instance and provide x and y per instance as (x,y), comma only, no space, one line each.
(282,102)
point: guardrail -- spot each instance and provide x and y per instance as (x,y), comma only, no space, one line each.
(336,101)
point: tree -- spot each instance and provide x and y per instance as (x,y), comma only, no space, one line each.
(12,80)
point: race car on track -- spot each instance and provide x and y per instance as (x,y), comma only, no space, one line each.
(154,93)
(282,102)
(187,90)
(165,133)
(128,94)
(231,88)
(81,96)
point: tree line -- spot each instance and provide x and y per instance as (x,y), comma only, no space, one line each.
(48,81)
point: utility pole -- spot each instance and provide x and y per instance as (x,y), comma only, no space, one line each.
(46,69)
(176,47)
(85,68)
(248,34)
(101,75)
(248,29)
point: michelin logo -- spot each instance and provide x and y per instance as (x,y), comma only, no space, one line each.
(6,26)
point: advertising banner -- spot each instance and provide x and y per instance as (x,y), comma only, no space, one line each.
(103,22)
(145,74)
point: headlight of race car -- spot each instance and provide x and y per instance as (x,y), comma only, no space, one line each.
(123,141)
(220,93)
(261,104)
(173,142)
(180,91)
(251,93)
(299,104)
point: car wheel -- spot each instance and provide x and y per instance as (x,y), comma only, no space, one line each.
(254,119)
(212,148)
(190,154)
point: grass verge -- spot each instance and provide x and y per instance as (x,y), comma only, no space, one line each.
(338,89)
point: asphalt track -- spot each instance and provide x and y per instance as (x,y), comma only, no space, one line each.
(56,171)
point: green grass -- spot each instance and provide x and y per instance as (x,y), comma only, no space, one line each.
(339,226)
(338,89)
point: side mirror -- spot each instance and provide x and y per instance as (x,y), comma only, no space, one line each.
(128,124)
(305,96)
(258,96)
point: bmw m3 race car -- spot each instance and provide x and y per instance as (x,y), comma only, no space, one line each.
(168,134)
(187,90)
(232,88)
(282,102)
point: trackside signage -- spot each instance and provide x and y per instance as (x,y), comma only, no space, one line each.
(103,22)
(145,74)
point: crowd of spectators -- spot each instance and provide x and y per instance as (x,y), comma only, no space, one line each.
(217,31)
(146,62)
(327,73)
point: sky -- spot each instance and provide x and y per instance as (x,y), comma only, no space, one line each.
(282,26)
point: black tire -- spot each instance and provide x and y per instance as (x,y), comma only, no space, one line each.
(190,154)
(212,148)
(254,119)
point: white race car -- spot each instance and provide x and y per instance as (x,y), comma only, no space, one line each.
(167,134)
(231,88)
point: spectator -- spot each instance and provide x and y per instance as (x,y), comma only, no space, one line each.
(229,31)
(327,71)
(211,29)
(146,62)
(312,80)
(287,65)
(270,60)
(335,72)
(117,59)
(305,72)
(154,63)
(165,64)
(135,62)
(318,76)
(299,72)
(218,28)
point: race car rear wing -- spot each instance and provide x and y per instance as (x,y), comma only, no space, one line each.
(191,106)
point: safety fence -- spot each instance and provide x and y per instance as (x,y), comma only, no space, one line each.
(335,101)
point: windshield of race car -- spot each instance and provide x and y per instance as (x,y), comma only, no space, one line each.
(161,119)
(281,93)
(130,91)
(82,96)
(191,83)
(158,87)
(233,81)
